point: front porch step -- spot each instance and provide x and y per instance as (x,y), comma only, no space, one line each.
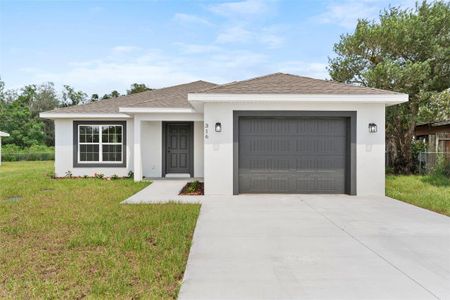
(178,175)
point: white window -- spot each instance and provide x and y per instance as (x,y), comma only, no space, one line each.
(100,143)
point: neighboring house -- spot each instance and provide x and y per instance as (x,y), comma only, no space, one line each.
(278,133)
(435,134)
(2,134)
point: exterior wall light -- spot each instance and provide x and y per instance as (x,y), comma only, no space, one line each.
(372,127)
(218,127)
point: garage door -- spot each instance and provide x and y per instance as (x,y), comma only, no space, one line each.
(292,155)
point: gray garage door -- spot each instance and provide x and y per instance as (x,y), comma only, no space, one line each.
(292,155)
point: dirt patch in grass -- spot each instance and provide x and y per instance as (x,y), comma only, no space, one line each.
(195,188)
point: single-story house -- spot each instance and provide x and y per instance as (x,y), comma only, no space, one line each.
(278,133)
(435,134)
(2,134)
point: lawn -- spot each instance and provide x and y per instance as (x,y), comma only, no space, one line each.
(71,238)
(430,192)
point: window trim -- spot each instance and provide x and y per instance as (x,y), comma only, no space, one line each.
(106,164)
(100,144)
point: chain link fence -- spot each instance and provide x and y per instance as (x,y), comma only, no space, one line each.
(424,162)
(428,161)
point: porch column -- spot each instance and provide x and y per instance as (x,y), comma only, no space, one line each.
(137,149)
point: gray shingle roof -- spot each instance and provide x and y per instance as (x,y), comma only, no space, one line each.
(169,97)
(177,96)
(281,83)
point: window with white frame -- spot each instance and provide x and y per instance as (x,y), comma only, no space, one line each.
(100,143)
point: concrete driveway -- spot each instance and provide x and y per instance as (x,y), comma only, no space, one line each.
(317,247)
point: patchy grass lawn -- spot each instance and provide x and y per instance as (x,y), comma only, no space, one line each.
(430,192)
(70,238)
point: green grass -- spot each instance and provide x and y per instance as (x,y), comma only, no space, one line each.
(430,192)
(70,238)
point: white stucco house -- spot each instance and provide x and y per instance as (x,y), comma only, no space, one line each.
(278,133)
(2,134)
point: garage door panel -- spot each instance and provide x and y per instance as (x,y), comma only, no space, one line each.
(262,164)
(292,155)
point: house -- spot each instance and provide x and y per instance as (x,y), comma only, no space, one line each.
(2,134)
(278,133)
(435,134)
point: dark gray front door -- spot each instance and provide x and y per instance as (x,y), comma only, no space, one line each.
(292,154)
(178,147)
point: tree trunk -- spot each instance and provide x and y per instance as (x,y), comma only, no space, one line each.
(403,162)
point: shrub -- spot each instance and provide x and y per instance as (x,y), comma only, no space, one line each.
(130,174)
(114,177)
(11,152)
(442,166)
(193,186)
(99,175)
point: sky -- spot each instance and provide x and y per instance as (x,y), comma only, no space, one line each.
(100,46)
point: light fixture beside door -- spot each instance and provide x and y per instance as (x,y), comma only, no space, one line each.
(373,128)
(218,127)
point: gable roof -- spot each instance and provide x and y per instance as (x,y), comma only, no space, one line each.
(281,83)
(169,97)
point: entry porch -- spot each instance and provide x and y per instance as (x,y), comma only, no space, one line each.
(168,145)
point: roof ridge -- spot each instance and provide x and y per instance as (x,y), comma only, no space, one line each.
(333,82)
(240,81)
(340,83)
(173,86)
(123,97)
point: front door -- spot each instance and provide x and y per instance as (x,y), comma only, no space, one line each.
(178,150)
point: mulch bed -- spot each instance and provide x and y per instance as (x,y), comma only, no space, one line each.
(195,188)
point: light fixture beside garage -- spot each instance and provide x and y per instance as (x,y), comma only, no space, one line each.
(372,128)
(218,127)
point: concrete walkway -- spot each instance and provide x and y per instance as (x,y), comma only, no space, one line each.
(317,247)
(163,190)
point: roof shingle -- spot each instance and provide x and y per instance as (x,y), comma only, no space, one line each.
(281,83)
(173,97)
(177,96)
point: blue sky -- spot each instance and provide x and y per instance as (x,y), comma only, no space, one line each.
(98,46)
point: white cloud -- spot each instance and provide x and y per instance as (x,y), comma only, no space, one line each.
(152,67)
(227,61)
(125,49)
(310,69)
(271,37)
(235,34)
(186,18)
(197,48)
(241,8)
(347,13)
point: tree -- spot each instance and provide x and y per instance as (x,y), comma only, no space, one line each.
(113,94)
(72,97)
(138,88)
(41,98)
(17,120)
(94,97)
(436,109)
(406,51)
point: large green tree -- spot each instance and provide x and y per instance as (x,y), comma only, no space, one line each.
(137,88)
(16,119)
(19,114)
(406,50)
(71,97)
